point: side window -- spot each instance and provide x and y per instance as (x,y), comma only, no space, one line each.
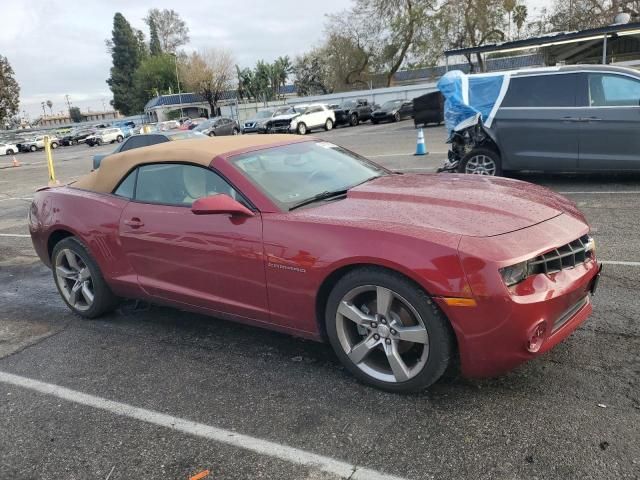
(607,90)
(126,188)
(136,141)
(178,184)
(555,90)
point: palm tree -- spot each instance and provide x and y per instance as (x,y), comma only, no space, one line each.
(520,16)
(509,6)
(50,105)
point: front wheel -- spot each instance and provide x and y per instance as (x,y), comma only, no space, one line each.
(9,152)
(54,145)
(119,139)
(353,120)
(481,161)
(79,279)
(212,134)
(396,117)
(387,331)
(328,125)
(301,129)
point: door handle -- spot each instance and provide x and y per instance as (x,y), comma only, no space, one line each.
(571,119)
(591,119)
(135,222)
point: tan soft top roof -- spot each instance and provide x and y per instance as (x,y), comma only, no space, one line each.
(199,150)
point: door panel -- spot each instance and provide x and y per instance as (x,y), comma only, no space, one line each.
(610,131)
(538,124)
(210,261)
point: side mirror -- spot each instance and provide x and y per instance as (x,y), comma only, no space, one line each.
(220,203)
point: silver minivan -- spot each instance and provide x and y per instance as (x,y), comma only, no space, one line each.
(570,118)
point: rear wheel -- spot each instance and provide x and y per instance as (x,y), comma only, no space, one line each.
(387,331)
(79,279)
(99,142)
(353,120)
(10,152)
(33,148)
(212,133)
(375,122)
(236,131)
(54,145)
(481,161)
(328,125)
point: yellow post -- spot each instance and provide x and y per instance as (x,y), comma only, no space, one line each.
(47,151)
(146,129)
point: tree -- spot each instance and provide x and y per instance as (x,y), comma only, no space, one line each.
(50,105)
(171,29)
(74,113)
(520,17)
(126,56)
(312,76)
(156,75)
(209,72)
(154,42)
(9,91)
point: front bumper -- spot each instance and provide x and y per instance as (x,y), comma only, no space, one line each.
(496,335)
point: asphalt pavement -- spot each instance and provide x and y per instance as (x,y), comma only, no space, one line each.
(153,392)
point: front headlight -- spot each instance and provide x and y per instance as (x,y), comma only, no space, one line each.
(590,246)
(515,273)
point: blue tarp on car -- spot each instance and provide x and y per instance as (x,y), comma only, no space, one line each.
(469,98)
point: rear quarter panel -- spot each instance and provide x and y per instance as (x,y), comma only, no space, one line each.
(94,219)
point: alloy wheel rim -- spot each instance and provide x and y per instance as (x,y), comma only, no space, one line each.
(74,279)
(382,334)
(480,165)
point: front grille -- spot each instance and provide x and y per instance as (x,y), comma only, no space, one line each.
(564,257)
(249,124)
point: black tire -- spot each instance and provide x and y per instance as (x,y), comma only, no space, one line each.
(104,299)
(375,122)
(301,129)
(328,124)
(33,148)
(354,120)
(74,142)
(10,152)
(441,338)
(492,154)
(236,131)
(396,117)
(119,138)
(212,133)
(98,142)
(54,145)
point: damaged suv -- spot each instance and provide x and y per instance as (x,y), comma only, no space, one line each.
(560,119)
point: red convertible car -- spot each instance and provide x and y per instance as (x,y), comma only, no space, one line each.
(401,273)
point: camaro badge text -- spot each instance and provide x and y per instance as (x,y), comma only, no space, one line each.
(287,267)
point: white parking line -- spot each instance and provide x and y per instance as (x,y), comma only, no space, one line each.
(15,198)
(245,442)
(615,262)
(18,235)
(628,192)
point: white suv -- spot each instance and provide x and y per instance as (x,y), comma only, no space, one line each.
(105,135)
(8,149)
(313,116)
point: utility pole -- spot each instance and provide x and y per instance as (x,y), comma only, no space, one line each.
(178,81)
(68,102)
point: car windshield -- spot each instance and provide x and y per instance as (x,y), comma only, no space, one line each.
(391,104)
(264,114)
(183,134)
(298,109)
(293,174)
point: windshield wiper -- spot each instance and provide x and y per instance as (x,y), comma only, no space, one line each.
(319,197)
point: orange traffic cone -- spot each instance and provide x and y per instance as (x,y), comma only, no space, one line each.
(16,163)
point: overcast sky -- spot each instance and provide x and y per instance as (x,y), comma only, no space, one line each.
(57,47)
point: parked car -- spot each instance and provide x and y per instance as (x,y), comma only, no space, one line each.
(428,108)
(393,110)
(352,112)
(302,119)
(76,136)
(38,143)
(145,140)
(402,273)
(570,118)
(8,149)
(218,126)
(105,135)
(258,121)
(168,125)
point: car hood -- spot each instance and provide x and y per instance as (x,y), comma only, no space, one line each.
(468,205)
(287,116)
